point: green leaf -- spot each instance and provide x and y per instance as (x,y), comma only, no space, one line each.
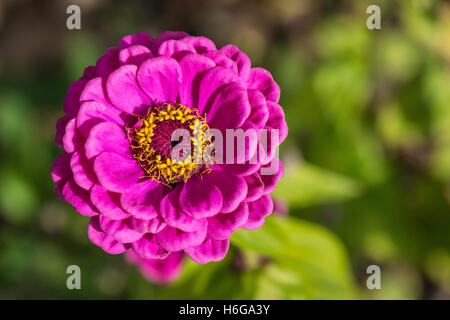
(309,261)
(305,185)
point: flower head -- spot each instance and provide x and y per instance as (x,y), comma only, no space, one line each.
(146,135)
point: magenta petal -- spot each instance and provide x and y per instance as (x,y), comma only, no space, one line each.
(174,216)
(147,247)
(233,188)
(106,136)
(79,198)
(259,112)
(210,250)
(230,108)
(258,210)
(108,203)
(135,54)
(167,35)
(160,271)
(241,59)
(95,91)
(255,186)
(262,80)
(245,145)
(61,130)
(173,239)
(221,60)
(270,181)
(72,140)
(125,93)
(107,63)
(104,240)
(83,173)
(222,225)
(210,82)
(192,67)
(244,169)
(89,73)
(160,78)
(153,225)
(61,172)
(120,230)
(92,113)
(277,120)
(170,47)
(200,199)
(201,44)
(115,172)
(140,38)
(142,199)
(72,102)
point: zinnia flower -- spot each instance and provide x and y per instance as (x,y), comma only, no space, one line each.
(116,133)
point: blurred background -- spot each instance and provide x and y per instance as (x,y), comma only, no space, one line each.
(367,157)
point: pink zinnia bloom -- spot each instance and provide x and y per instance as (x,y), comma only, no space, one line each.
(116,133)
(159,271)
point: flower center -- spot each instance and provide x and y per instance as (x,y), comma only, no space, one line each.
(168,156)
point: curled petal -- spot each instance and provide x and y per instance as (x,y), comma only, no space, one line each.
(142,199)
(160,78)
(222,225)
(95,91)
(277,120)
(79,199)
(170,47)
(106,136)
(72,102)
(270,180)
(72,139)
(258,210)
(233,188)
(108,203)
(259,113)
(154,225)
(125,93)
(61,172)
(83,173)
(192,68)
(210,250)
(140,38)
(210,82)
(241,59)
(120,230)
(230,108)
(115,172)
(92,113)
(61,130)
(104,240)
(173,239)
(147,247)
(262,80)
(167,35)
(174,216)
(244,169)
(201,44)
(199,199)
(255,186)
(135,54)
(107,63)
(221,60)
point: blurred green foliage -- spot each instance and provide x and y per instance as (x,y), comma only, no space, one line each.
(367,158)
